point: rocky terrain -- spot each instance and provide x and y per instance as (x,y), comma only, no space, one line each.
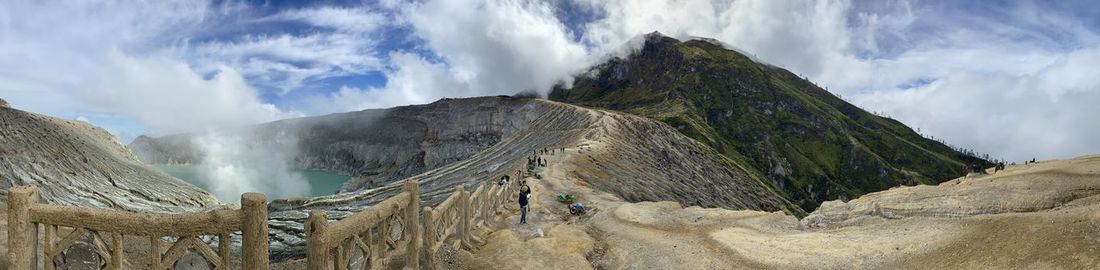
(773,126)
(75,163)
(633,157)
(810,144)
(1037,216)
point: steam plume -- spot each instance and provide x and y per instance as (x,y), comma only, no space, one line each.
(238,162)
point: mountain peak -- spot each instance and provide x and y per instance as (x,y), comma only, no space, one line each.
(654,34)
(807,142)
(656,38)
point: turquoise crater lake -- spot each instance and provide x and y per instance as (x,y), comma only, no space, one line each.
(321,183)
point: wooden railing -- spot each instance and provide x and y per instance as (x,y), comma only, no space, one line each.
(368,239)
(106,228)
(459,213)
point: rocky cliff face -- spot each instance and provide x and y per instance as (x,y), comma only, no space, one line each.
(807,142)
(376,146)
(74,163)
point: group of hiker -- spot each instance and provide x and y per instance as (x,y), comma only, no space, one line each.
(536,156)
(524,196)
(536,161)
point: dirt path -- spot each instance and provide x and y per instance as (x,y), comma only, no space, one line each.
(1043,215)
(608,237)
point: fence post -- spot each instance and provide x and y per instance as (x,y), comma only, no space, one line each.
(464,215)
(254,227)
(412,225)
(22,233)
(487,204)
(316,257)
(498,201)
(429,236)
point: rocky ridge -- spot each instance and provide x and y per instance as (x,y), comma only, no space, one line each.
(376,146)
(75,163)
(807,142)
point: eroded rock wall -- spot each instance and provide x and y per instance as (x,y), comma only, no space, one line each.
(75,163)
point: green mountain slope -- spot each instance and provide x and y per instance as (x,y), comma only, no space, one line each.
(805,141)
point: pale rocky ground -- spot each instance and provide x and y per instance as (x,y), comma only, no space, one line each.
(1037,216)
(76,163)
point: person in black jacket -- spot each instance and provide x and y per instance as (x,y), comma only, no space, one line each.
(524,195)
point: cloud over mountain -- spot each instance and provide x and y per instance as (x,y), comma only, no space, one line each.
(1012,80)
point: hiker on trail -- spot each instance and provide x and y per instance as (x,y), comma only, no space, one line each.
(503,180)
(524,195)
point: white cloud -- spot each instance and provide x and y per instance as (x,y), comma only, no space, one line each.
(344,45)
(1000,84)
(287,61)
(1045,114)
(170,97)
(499,46)
(485,48)
(809,37)
(356,20)
(123,58)
(415,81)
(921,62)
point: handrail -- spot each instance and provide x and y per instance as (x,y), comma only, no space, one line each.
(459,213)
(359,222)
(26,215)
(333,243)
(143,224)
(370,230)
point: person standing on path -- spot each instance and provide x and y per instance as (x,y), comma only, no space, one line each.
(524,196)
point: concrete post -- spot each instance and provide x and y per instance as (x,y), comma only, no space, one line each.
(155,252)
(412,225)
(254,227)
(429,236)
(487,204)
(22,233)
(316,257)
(116,251)
(464,215)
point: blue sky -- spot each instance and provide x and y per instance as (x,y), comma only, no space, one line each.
(1014,79)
